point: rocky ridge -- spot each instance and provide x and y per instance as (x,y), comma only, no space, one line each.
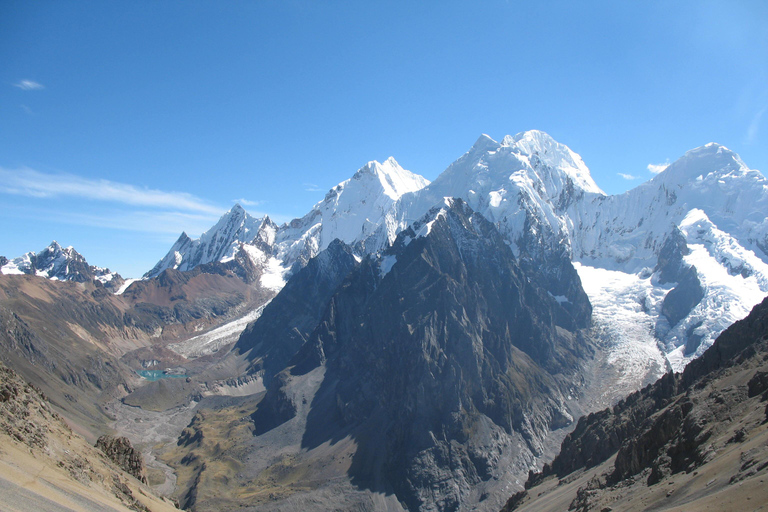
(682,426)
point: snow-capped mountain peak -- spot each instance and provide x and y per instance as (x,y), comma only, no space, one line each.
(352,211)
(525,185)
(712,161)
(58,263)
(483,143)
(555,155)
(393,179)
(220,243)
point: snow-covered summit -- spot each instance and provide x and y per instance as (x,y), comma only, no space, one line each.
(58,263)
(625,231)
(525,183)
(351,211)
(708,159)
(220,243)
(555,156)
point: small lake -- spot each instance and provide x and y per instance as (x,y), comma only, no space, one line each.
(153,375)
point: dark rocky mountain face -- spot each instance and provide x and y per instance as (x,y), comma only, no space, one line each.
(684,424)
(688,290)
(288,320)
(439,357)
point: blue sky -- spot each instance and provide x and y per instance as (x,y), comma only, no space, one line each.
(124,123)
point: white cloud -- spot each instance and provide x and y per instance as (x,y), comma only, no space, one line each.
(31,183)
(657,168)
(311,187)
(628,176)
(754,126)
(170,223)
(29,85)
(247,202)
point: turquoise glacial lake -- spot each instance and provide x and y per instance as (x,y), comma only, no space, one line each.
(153,375)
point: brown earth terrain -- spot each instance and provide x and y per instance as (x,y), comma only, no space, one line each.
(44,465)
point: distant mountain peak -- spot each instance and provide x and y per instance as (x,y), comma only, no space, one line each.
(59,263)
(352,211)
(219,243)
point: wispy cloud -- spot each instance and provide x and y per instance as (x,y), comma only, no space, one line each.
(247,202)
(628,176)
(29,85)
(31,183)
(311,187)
(657,168)
(754,126)
(169,223)
(26,109)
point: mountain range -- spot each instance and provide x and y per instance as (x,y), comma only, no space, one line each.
(539,194)
(405,345)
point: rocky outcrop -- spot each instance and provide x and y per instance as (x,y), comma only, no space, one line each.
(681,299)
(23,410)
(688,290)
(670,262)
(672,426)
(275,409)
(121,452)
(288,320)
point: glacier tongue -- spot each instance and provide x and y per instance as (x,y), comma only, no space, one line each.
(625,310)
